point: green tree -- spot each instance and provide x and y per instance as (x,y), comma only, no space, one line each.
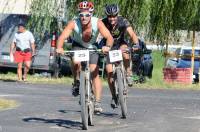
(158,18)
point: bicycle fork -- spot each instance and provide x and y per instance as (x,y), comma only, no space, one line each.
(89,99)
(116,90)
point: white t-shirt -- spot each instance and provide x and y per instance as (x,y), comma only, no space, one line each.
(23,40)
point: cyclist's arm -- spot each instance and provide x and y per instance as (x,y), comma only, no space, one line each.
(132,35)
(65,34)
(105,33)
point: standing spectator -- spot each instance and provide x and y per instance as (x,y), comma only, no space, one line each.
(24,46)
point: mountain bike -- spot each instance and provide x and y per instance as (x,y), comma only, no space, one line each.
(86,91)
(119,80)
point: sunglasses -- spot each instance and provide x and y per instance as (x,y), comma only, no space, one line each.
(84,15)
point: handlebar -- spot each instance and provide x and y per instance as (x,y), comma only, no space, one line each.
(90,50)
(138,51)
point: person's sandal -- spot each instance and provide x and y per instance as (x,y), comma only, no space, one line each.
(24,79)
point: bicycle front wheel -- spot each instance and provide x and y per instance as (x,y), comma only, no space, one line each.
(84,105)
(121,88)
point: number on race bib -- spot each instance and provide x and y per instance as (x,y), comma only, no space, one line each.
(115,55)
(81,55)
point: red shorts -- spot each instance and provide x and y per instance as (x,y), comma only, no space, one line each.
(20,56)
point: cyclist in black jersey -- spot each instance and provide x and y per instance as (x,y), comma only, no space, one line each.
(118,26)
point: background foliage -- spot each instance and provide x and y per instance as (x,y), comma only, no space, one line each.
(157,19)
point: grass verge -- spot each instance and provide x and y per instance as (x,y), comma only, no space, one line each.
(7,104)
(156,82)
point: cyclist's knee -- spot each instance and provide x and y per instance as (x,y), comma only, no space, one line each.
(75,63)
(109,68)
(110,74)
(94,74)
(94,70)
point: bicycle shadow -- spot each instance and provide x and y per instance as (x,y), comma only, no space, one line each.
(8,80)
(107,114)
(69,111)
(59,122)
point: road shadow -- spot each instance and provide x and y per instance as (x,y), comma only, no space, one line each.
(69,111)
(8,80)
(59,122)
(107,114)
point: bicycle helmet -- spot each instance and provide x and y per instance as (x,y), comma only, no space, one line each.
(85,5)
(112,10)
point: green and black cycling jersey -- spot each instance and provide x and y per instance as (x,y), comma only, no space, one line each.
(118,33)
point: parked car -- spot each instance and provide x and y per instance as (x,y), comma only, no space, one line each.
(142,63)
(173,61)
(45,49)
(185,60)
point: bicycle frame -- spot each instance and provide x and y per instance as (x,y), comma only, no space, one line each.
(85,68)
(118,65)
(120,85)
(86,94)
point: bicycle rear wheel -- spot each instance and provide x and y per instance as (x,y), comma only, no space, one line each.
(84,105)
(121,88)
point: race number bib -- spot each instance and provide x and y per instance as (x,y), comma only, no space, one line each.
(115,55)
(81,55)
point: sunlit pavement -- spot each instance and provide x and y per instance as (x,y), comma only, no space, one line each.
(51,108)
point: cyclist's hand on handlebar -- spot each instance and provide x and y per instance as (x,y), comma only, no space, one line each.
(105,49)
(135,47)
(60,51)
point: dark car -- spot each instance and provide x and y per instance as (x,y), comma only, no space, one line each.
(142,63)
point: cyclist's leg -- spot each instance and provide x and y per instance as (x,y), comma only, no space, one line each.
(126,58)
(76,68)
(110,78)
(109,70)
(96,80)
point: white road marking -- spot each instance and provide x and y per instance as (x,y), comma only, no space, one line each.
(178,108)
(193,117)
(56,127)
(10,95)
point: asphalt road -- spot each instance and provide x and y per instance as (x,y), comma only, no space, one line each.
(51,108)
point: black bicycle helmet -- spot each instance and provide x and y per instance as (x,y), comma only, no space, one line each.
(112,10)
